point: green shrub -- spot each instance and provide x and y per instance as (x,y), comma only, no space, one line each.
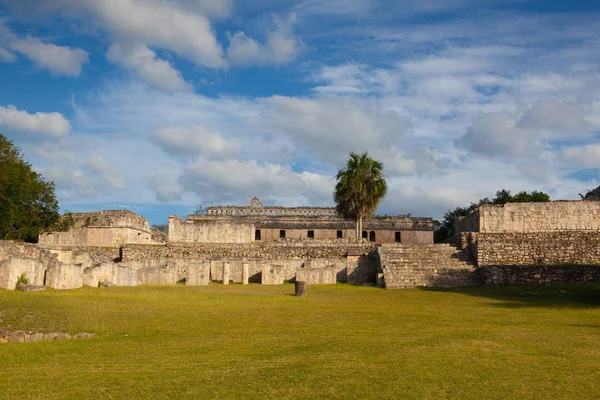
(22,280)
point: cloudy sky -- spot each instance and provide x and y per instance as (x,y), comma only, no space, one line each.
(158,105)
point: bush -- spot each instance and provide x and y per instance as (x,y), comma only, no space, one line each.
(22,280)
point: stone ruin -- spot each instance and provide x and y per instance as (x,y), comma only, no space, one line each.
(517,243)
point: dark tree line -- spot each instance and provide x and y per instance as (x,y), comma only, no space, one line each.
(28,204)
(445,229)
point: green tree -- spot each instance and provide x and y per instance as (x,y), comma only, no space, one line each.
(27,202)
(360,188)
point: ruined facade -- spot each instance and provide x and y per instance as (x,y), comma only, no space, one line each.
(257,223)
(516,243)
(534,243)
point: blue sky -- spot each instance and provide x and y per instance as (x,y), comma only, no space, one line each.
(159,105)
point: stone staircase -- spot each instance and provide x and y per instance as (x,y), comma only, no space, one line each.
(427,265)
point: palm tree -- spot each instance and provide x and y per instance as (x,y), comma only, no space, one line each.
(360,187)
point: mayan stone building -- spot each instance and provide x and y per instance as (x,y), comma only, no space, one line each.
(257,223)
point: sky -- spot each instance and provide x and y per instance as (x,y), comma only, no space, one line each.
(159,105)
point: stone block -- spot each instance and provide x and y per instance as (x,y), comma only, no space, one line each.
(198,273)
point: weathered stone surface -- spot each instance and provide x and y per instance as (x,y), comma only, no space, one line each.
(33,337)
(300,288)
(245,273)
(198,273)
(272,274)
(504,275)
(439,265)
(31,288)
(64,276)
(111,272)
(225,273)
(317,276)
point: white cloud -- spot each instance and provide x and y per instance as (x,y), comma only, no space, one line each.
(281,46)
(563,117)
(151,69)
(587,156)
(195,141)
(496,134)
(107,172)
(180,26)
(71,179)
(6,56)
(331,128)
(224,180)
(47,124)
(165,187)
(211,8)
(60,60)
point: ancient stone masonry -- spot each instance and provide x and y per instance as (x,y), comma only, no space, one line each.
(534,243)
(233,223)
(436,265)
(520,243)
(101,229)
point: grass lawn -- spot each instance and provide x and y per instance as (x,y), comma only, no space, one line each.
(259,342)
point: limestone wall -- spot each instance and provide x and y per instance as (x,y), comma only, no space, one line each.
(110,272)
(279,250)
(208,231)
(96,236)
(543,248)
(86,256)
(539,274)
(64,276)
(317,276)
(108,218)
(11,269)
(198,273)
(540,217)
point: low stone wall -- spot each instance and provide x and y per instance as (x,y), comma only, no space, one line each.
(504,275)
(209,231)
(11,269)
(277,250)
(169,274)
(198,274)
(110,273)
(272,274)
(317,276)
(87,257)
(540,217)
(64,276)
(98,236)
(542,248)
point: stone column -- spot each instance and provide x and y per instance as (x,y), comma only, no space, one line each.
(226,273)
(245,273)
(300,289)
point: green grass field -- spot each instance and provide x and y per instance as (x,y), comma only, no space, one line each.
(341,341)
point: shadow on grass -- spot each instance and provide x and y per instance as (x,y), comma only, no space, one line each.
(568,296)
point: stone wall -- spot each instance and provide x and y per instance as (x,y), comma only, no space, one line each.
(17,258)
(87,257)
(198,274)
(317,276)
(540,217)
(543,248)
(111,273)
(278,250)
(209,231)
(11,269)
(108,218)
(64,276)
(98,236)
(539,274)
